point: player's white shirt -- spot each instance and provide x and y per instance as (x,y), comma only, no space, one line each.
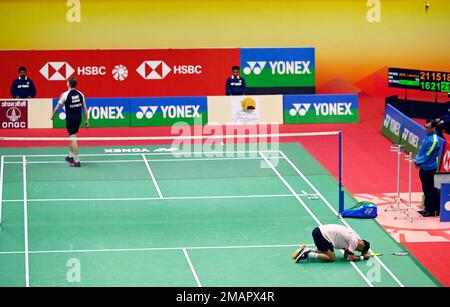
(340,236)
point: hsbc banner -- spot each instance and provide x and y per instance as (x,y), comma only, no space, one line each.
(445,162)
(313,109)
(123,73)
(168,111)
(13,114)
(279,70)
(103,112)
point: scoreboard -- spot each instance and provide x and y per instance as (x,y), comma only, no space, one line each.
(424,80)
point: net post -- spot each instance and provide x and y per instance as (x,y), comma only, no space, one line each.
(341,190)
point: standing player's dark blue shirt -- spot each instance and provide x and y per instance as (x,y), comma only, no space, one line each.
(235,86)
(73,103)
(23,88)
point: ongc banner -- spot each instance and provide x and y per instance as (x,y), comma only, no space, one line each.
(123,73)
(13,114)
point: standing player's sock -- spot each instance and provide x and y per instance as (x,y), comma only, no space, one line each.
(76,158)
(70,154)
(312,255)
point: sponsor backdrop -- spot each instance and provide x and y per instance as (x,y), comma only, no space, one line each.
(401,129)
(230,109)
(13,114)
(310,109)
(353,39)
(445,163)
(123,73)
(445,203)
(126,112)
(168,111)
(278,70)
(166,72)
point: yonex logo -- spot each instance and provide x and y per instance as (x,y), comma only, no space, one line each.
(153,70)
(147,111)
(13,114)
(300,109)
(255,67)
(56,71)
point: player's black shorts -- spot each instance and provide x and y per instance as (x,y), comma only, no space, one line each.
(73,124)
(321,243)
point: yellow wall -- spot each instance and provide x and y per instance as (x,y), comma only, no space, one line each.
(347,45)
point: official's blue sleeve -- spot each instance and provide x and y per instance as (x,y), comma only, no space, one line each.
(422,155)
(228,88)
(32,89)
(13,89)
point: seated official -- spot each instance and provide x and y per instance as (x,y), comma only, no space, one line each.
(235,84)
(23,87)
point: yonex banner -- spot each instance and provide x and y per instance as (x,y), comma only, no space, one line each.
(278,70)
(103,112)
(307,109)
(168,111)
(401,129)
(445,202)
(392,124)
(13,114)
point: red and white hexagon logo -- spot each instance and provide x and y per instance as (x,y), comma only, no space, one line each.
(56,71)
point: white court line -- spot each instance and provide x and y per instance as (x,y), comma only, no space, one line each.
(153,249)
(153,177)
(25,222)
(199,284)
(335,212)
(308,210)
(1,188)
(178,153)
(140,161)
(157,198)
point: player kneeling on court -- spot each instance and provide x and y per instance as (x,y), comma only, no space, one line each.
(73,101)
(327,238)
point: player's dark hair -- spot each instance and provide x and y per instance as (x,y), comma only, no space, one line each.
(235,67)
(366,247)
(22,68)
(73,82)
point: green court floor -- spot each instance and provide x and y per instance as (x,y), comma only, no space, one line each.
(151,218)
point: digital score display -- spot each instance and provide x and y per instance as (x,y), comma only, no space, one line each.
(424,80)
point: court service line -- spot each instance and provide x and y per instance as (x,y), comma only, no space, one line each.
(309,211)
(153,176)
(335,212)
(199,284)
(153,249)
(176,153)
(25,221)
(140,161)
(157,198)
(1,188)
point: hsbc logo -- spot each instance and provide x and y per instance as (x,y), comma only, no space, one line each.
(158,70)
(299,108)
(446,161)
(57,71)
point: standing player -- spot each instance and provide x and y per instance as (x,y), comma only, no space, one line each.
(73,101)
(327,238)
